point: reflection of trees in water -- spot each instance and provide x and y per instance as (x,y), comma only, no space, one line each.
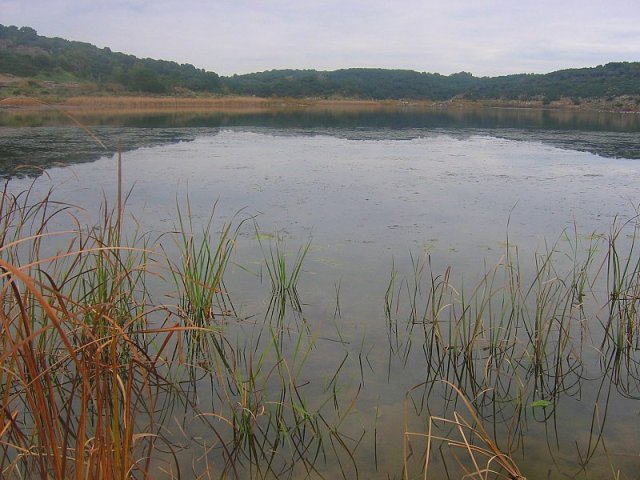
(61,142)
(27,151)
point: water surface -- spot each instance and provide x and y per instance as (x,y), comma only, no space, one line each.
(374,193)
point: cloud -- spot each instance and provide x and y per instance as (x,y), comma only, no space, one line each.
(486,37)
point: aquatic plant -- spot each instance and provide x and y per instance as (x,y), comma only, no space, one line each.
(100,379)
(476,452)
(199,275)
(78,387)
(283,274)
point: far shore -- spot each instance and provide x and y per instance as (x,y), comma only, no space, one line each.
(115,105)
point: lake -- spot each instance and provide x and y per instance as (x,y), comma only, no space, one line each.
(444,256)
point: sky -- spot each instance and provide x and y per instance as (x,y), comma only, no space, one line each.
(484,37)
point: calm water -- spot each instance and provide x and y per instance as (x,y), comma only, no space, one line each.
(371,192)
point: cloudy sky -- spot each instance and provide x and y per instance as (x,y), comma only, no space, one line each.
(484,37)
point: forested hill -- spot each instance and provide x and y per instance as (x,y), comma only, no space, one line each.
(611,80)
(24,53)
(352,83)
(55,61)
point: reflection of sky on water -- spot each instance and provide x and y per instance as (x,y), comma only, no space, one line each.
(366,198)
(364,201)
(47,143)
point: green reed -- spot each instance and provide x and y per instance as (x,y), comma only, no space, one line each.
(203,260)
(95,371)
(623,287)
(515,341)
(283,273)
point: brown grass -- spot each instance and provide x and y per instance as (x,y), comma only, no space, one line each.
(131,104)
(473,448)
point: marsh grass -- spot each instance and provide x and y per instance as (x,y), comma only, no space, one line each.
(99,379)
(78,388)
(199,273)
(521,339)
(623,284)
(473,448)
(91,364)
(536,318)
(283,272)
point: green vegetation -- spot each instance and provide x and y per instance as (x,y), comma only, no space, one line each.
(367,83)
(24,53)
(604,81)
(101,378)
(608,81)
(47,62)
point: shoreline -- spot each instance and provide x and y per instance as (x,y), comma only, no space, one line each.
(243,104)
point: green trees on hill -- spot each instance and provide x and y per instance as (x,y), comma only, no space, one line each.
(25,53)
(354,82)
(604,81)
(611,80)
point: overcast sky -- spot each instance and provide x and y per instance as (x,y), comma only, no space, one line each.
(484,37)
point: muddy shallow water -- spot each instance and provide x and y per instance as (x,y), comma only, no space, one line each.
(373,196)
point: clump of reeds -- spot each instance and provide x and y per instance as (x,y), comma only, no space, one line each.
(622,325)
(284,274)
(78,387)
(199,273)
(474,449)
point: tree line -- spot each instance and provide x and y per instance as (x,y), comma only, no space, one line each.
(25,53)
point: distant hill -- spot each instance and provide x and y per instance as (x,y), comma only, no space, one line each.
(608,81)
(24,53)
(55,61)
(352,83)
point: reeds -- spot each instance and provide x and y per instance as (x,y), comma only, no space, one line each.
(78,387)
(101,379)
(623,288)
(476,453)
(283,274)
(199,272)
(92,365)
(516,341)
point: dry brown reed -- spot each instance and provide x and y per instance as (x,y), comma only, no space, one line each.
(474,449)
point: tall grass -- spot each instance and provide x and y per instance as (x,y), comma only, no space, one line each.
(524,336)
(78,387)
(199,272)
(623,288)
(99,379)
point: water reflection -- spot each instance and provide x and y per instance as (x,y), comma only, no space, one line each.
(340,117)
(310,382)
(53,137)
(28,151)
